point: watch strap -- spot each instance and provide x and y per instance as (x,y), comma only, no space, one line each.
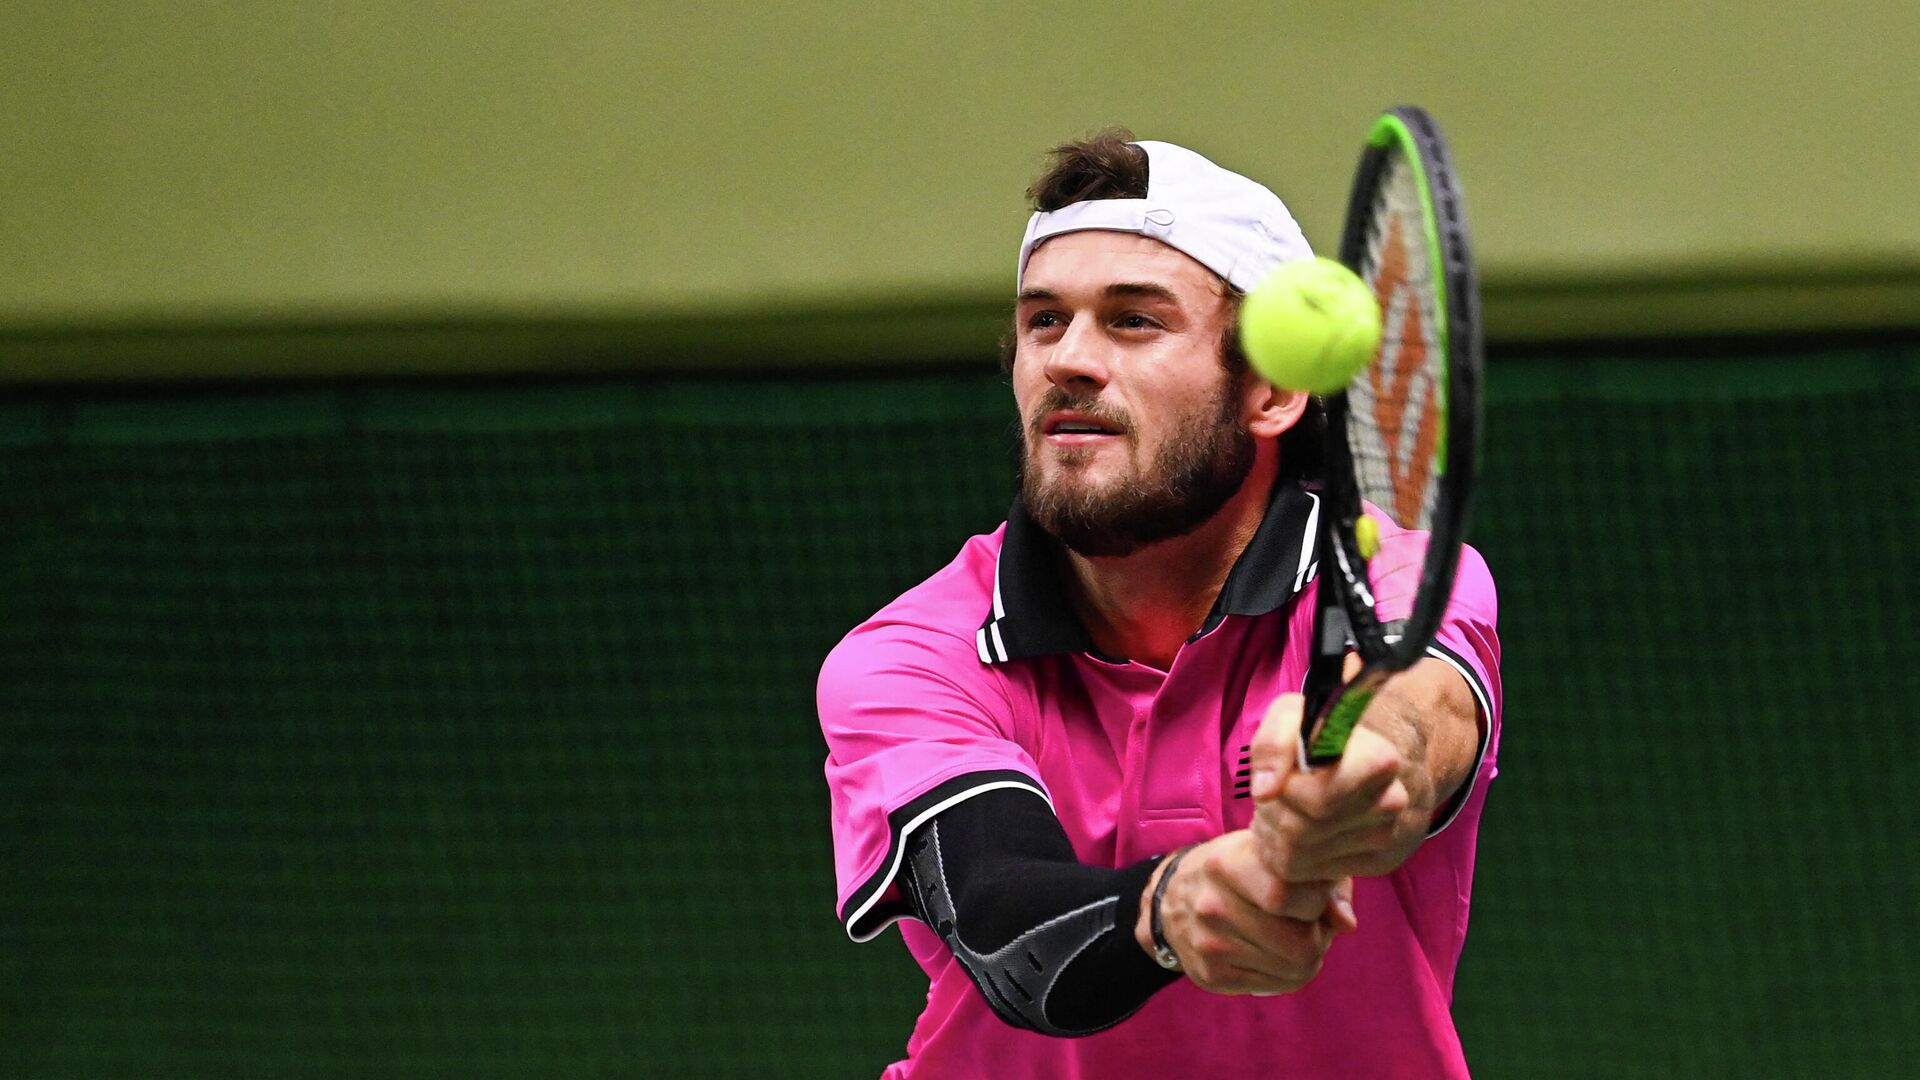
(1163,953)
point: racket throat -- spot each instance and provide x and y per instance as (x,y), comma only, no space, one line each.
(1333,639)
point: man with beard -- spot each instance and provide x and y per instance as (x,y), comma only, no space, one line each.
(1066,762)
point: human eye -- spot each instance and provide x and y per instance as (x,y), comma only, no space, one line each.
(1134,320)
(1044,320)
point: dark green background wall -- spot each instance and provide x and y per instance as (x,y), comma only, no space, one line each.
(466,730)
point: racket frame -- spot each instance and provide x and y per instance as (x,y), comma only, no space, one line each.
(1344,610)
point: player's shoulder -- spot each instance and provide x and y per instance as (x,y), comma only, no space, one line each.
(1473,585)
(940,617)
(1473,579)
(1392,533)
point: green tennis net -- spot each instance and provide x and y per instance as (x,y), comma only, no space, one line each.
(467,731)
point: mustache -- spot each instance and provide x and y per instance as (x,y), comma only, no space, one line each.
(1057,399)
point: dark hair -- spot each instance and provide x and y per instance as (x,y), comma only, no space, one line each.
(1106,165)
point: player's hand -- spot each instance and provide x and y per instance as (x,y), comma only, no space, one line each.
(1238,928)
(1353,818)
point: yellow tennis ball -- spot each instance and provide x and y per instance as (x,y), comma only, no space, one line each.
(1366,534)
(1311,325)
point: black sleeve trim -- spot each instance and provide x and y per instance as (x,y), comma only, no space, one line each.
(874,906)
(1484,702)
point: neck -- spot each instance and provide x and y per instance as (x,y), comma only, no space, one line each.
(1144,606)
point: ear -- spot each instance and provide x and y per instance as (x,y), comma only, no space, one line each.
(1269,411)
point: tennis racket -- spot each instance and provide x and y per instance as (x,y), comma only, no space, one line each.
(1401,438)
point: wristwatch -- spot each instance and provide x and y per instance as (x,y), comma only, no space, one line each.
(1163,953)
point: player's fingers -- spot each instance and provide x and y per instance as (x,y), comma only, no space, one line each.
(1232,978)
(1340,916)
(1215,901)
(1292,842)
(1242,930)
(1272,984)
(1308,900)
(1292,848)
(1276,831)
(1298,850)
(1240,941)
(1364,849)
(1388,803)
(1358,854)
(1273,756)
(1367,860)
(1370,765)
(1231,947)
(1263,903)
(1241,870)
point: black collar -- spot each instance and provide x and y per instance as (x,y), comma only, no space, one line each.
(1031,616)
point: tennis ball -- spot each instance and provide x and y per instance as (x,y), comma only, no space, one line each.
(1311,325)
(1366,534)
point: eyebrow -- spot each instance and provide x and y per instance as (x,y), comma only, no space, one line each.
(1146,290)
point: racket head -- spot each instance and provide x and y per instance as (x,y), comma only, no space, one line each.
(1403,436)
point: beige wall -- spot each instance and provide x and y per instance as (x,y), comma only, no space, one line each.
(1631,167)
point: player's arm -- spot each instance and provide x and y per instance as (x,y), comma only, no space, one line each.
(1053,944)
(1063,948)
(1047,939)
(1408,761)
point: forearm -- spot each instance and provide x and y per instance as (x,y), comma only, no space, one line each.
(1048,940)
(1365,814)
(1429,715)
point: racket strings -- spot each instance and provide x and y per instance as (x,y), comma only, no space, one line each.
(1396,406)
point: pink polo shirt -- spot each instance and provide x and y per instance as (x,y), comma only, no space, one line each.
(981,678)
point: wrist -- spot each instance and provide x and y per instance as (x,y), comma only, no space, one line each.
(1155,939)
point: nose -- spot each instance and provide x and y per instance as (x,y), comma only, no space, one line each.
(1077,362)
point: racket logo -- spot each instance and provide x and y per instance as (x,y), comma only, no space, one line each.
(1405,413)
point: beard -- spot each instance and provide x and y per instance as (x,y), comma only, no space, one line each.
(1200,466)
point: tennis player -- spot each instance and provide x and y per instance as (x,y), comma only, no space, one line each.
(1065,762)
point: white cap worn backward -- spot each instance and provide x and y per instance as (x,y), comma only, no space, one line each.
(1229,224)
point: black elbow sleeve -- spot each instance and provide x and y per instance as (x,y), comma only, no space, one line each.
(1048,941)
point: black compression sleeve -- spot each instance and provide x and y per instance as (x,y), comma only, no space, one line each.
(1048,940)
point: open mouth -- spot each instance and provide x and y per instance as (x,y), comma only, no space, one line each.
(1072,426)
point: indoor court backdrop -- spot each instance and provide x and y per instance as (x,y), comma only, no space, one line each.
(416,555)
(468,731)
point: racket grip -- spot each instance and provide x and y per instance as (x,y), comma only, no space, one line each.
(1324,677)
(1342,715)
